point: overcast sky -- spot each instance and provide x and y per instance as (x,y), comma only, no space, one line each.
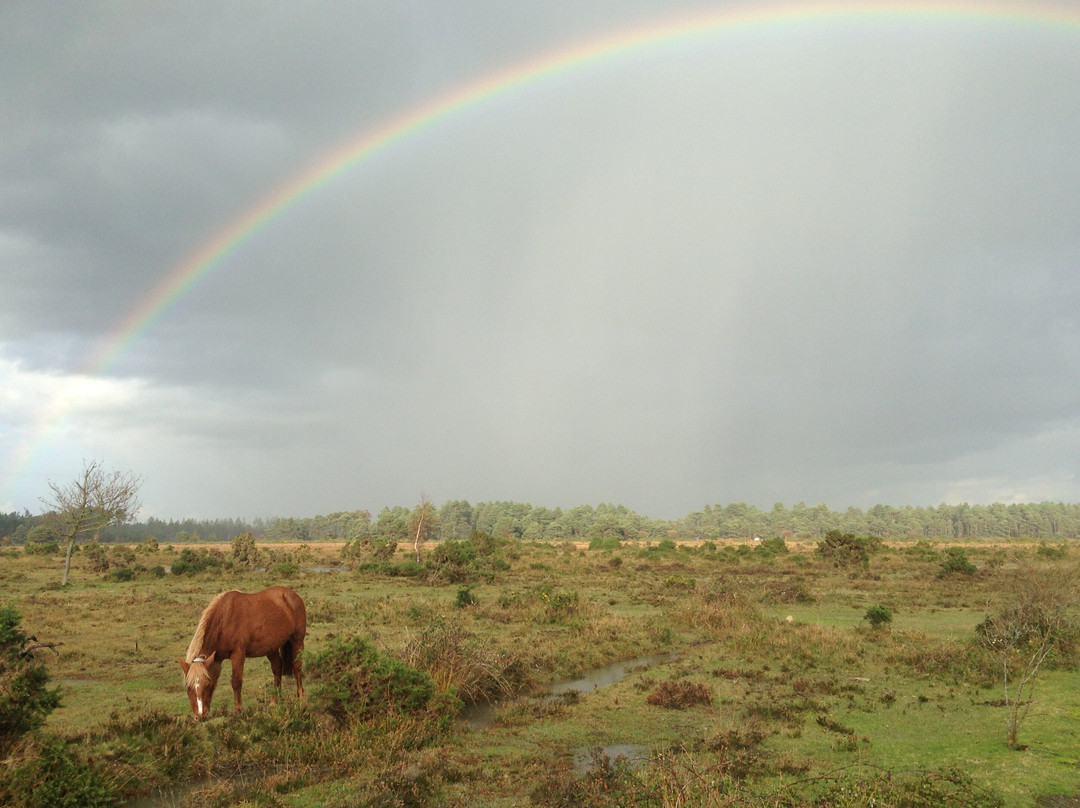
(826,260)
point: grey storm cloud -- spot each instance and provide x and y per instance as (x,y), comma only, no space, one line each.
(832,261)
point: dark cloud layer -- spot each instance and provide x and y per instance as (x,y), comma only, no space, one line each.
(830,261)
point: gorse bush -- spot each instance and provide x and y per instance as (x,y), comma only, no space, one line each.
(244,550)
(559,605)
(25,697)
(775,545)
(955,562)
(878,616)
(453,561)
(465,598)
(123,574)
(1052,551)
(463,560)
(922,550)
(354,682)
(192,562)
(847,549)
(50,774)
(97,557)
(42,548)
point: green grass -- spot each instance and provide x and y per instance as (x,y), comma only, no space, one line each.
(943,623)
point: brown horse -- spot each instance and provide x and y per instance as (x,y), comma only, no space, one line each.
(237,625)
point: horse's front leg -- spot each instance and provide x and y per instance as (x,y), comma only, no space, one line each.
(237,676)
(275,666)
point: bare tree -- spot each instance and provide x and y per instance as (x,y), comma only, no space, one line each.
(92,502)
(421,523)
(1033,621)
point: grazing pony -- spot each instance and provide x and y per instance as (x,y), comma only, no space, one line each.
(237,625)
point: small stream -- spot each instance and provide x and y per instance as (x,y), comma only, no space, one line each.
(482,714)
(606,675)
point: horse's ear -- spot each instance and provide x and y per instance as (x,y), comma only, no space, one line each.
(210,658)
(184,665)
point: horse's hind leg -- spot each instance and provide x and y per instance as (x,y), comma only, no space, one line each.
(275,666)
(237,676)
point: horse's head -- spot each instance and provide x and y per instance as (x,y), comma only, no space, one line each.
(200,684)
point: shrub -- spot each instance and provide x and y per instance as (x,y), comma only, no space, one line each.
(465,597)
(25,698)
(285,569)
(786,591)
(42,548)
(404,569)
(453,561)
(678,694)
(558,606)
(459,561)
(922,550)
(458,660)
(48,774)
(192,561)
(354,682)
(846,549)
(1035,623)
(1052,551)
(775,545)
(878,616)
(955,562)
(97,559)
(679,581)
(244,550)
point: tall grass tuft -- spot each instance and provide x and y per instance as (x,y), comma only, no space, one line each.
(458,660)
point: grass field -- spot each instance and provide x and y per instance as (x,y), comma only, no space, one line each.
(765,684)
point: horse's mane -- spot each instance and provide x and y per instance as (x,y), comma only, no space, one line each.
(207,625)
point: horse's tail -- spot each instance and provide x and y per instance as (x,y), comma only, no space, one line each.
(288,655)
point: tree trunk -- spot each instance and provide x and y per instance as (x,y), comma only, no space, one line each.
(67,560)
(416,541)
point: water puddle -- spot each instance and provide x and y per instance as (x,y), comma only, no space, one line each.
(604,676)
(481,715)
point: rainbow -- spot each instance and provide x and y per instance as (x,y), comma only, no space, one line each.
(179,281)
(730,20)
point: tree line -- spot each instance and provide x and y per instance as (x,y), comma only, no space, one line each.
(458,519)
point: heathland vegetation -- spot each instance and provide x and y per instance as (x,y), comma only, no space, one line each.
(848,669)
